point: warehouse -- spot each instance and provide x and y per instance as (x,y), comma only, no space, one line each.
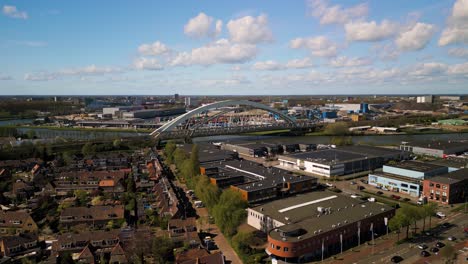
(341,161)
(405,177)
(162,114)
(255,182)
(303,227)
(440,149)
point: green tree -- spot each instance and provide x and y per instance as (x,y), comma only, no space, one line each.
(241,242)
(116,143)
(229,212)
(206,191)
(81,197)
(169,151)
(194,159)
(429,210)
(88,149)
(179,156)
(66,258)
(399,221)
(162,250)
(336,129)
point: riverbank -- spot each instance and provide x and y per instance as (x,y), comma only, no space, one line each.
(139,130)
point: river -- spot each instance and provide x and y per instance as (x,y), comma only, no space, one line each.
(367,140)
(14,122)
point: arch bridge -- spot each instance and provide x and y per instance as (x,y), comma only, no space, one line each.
(185,126)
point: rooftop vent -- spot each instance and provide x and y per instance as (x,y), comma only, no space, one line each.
(345,221)
(333,226)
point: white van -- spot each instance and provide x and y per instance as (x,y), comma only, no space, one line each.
(198,204)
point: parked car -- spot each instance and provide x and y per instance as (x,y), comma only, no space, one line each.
(360,187)
(364,181)
(434,250)
(451,238)
(447,225)
(371,199)
(379,193)
(396,259)
(406,199)
(424,253)
(352,182)
(422,246)
(439,244)
(440,214)
(396,197)
(329,184)
(354,196)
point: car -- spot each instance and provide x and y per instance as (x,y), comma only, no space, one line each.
(451,238)
(406,199)
(379,193)
(354,196)
(364,181)
(427,233)
(360,187)
(424,253)
(329,184)
(434,249)
(352,182)
(396,197)
(396,259)
(440,214)
(422,246)
(439,244)
(447,225)
(419,202)
(371,199)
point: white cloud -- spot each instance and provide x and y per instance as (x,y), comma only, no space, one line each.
(428,69)
(202,26)
(13,12)
(299,63)
(458,69)
(458,52)
(267,66)
(415,37)
(319,46)
(153,49)
(370,31)
(232,81)
(147,64)
(250,29)
(221,51)
(344,61)
(91,70)
(457,25)
(236,68)
(336,14)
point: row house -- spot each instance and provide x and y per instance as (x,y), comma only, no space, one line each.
(12,246)
(16,222)
(94,216)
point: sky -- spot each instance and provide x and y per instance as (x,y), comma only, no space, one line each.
(242,47)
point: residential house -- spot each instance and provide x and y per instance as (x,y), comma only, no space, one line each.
(94,216)
(16,222)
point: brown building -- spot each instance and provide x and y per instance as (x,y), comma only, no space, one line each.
(11,246)
(448,188)
(94,216)
(72,242)
(302,228)
(199,256)
(12,223)
(184,232)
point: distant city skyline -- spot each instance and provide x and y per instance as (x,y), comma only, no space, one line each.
(233,48)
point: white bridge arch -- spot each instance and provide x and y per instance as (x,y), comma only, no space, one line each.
(172,125)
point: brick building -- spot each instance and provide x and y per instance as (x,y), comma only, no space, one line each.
(448,188)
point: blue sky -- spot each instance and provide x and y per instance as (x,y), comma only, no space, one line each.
(233,47)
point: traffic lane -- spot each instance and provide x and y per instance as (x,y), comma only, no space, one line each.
(411,253)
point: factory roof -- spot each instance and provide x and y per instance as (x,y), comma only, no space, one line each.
(318,212)
(209,153)
(343,154)
(416,166)
(397,177)
(452,177)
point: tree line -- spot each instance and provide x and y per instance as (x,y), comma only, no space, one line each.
(409,215)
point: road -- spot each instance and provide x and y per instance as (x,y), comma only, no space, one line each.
(385,248)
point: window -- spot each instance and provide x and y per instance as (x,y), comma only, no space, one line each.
(431,184)
(272,245)
(414,187)
(404,185)
(444,187)
(286,249)
(437,185)
(278,247)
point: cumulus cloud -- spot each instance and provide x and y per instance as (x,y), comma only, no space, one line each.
(458,52)
(344,61)
(267,66)
(222,51)
(428,69)
(203,26)
(147,64)
(415,37)
(456,30)
(370,31)
(153,49)
(13,12)
(299,63)
(458,69)
(231,81)
(250,29)
(91,70)
(319,46)
(336,14)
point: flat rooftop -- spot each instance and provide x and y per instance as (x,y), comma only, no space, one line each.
(416,166)
(344,154)
(302,211)
(452,177)
(210,153)
(441,145)
(397,177)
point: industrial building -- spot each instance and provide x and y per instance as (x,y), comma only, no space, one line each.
(255,182)
(161,114)
(449,188)
(341,161)
(262,149)
(425,99)
(438,149)
(406,177)
(317,225)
